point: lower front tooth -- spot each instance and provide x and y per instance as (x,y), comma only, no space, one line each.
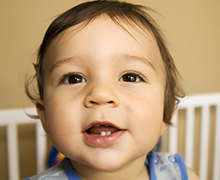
(103,133)
(108,133)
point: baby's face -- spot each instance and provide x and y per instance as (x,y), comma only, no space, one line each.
(103,94)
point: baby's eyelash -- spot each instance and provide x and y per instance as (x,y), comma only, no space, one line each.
(132,77)
(72,78)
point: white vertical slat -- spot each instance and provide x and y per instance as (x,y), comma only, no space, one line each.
(216,165)
(12,145)
(204,143)
(41,147)
(189,142)
(173,134)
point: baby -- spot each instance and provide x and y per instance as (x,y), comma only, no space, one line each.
(107,91)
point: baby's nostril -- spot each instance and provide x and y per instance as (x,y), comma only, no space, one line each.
(93,102)
(110,102)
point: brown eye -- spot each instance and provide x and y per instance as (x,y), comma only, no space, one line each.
(131,77)
(73,79)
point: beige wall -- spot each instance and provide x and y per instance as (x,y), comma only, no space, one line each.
(191,28)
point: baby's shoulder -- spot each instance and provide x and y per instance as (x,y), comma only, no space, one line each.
(192,175)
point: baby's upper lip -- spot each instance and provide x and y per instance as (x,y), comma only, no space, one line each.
(102,123)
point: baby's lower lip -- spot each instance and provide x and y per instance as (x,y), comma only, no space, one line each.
(98,140)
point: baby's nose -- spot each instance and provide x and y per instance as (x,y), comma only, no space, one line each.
(101,95)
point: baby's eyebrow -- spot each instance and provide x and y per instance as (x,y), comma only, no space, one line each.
(62,61)
(123,57)
(138,58)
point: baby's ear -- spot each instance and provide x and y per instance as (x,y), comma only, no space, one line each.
(41,113)
(165,125)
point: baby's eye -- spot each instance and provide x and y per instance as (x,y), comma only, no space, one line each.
(131,77)
(73,78)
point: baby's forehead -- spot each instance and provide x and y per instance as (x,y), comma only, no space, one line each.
(127,28)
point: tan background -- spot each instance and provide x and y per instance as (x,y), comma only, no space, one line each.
(191,28)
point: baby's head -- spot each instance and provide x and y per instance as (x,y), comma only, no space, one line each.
(121,14)
(107,84)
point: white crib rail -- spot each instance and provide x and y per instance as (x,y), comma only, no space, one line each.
(173,134)
(11,119)
(189,146)
(216,169)
(189,103)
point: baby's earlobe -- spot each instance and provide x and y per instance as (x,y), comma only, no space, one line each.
(41,113)
(40,107)
(164,128)
(39,104)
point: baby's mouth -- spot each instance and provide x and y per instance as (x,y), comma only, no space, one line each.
(102,130)
(102,133)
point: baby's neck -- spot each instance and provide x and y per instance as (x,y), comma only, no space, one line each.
(130,172)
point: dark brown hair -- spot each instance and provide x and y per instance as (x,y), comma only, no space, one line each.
(117,11)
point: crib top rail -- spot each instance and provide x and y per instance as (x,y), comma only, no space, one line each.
(199,100)
(17,116)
